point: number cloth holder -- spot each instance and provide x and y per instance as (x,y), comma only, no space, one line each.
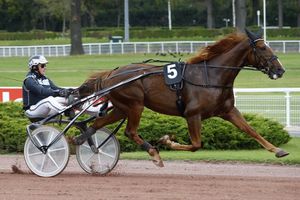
(173,73)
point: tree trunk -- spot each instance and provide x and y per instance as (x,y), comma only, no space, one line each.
(241,13)
(255,8)
(75,26)
(44,23)
(64,25)
(119,13)
(280,15)
(298,18)
(210,19)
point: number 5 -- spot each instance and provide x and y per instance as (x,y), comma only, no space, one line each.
(172,72)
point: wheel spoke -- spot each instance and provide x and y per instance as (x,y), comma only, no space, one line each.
(96,140)
(38,140)
(99,161)
(58,149)
(89,158)
(35,154)
(51,158)
(43,162)
(106,154)
(50,138)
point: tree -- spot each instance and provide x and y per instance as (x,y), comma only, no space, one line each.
(280,15)
(255,8)
(57,9)
(298,15)
(75,26)
(241,14)
(210,19)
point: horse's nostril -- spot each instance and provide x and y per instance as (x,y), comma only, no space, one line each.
(280,71)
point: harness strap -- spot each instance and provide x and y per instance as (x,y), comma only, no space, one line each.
(179,103)
(130,71)
(206,73)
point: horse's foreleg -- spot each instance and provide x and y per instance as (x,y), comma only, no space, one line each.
(235,117)
(194,126)
(131,132)
(110,118)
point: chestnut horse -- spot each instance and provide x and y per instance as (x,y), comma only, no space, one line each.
(207,91)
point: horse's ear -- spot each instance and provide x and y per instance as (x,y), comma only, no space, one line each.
(260,33)
(251,35)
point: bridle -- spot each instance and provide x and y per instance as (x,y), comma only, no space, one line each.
(263,64)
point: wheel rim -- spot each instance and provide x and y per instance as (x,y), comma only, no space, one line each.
(106,158)
(54,161)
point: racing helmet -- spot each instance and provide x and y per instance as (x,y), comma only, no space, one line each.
(35,60)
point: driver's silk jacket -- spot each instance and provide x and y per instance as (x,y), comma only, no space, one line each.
(37,87)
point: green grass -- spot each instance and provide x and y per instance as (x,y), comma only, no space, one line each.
(247,156)
(73,70)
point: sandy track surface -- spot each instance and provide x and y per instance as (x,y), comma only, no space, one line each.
(143,180)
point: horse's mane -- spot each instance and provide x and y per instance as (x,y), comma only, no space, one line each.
(94,80)
(217,48)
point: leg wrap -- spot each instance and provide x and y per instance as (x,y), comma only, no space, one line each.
(79,140)
(146,146)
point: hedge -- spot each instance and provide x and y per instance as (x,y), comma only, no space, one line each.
(32,35)
(147,32)
(216,133)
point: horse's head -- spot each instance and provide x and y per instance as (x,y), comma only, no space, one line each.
(263,58)
(87,88)
(92,84)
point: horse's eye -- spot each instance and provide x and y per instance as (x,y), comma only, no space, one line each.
(263,48)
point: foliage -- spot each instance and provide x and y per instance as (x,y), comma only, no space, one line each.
(149,33)
(36,34)
(216,133)
(54,15)
(12,127)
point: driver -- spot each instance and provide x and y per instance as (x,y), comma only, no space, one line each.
(41,97)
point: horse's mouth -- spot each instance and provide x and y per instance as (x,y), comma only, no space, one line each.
(275,76)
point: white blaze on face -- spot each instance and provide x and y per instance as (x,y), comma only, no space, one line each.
(280,63)
(267,44)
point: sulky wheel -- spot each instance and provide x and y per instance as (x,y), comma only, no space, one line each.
(54,160)
(105,159)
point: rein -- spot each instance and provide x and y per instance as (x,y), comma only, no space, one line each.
(251,68)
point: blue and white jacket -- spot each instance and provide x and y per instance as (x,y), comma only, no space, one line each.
(37,87)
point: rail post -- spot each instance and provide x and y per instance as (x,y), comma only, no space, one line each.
(288,108)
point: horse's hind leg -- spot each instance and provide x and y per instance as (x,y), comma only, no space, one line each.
(133,121)
(235,117)
(194,126)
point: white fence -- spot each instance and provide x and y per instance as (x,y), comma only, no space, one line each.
(281,104)
(131,47)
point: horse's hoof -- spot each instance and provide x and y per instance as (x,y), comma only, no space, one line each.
(281,153)
(163,139)
(158,163)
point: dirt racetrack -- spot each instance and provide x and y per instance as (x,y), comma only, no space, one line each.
(142,180)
